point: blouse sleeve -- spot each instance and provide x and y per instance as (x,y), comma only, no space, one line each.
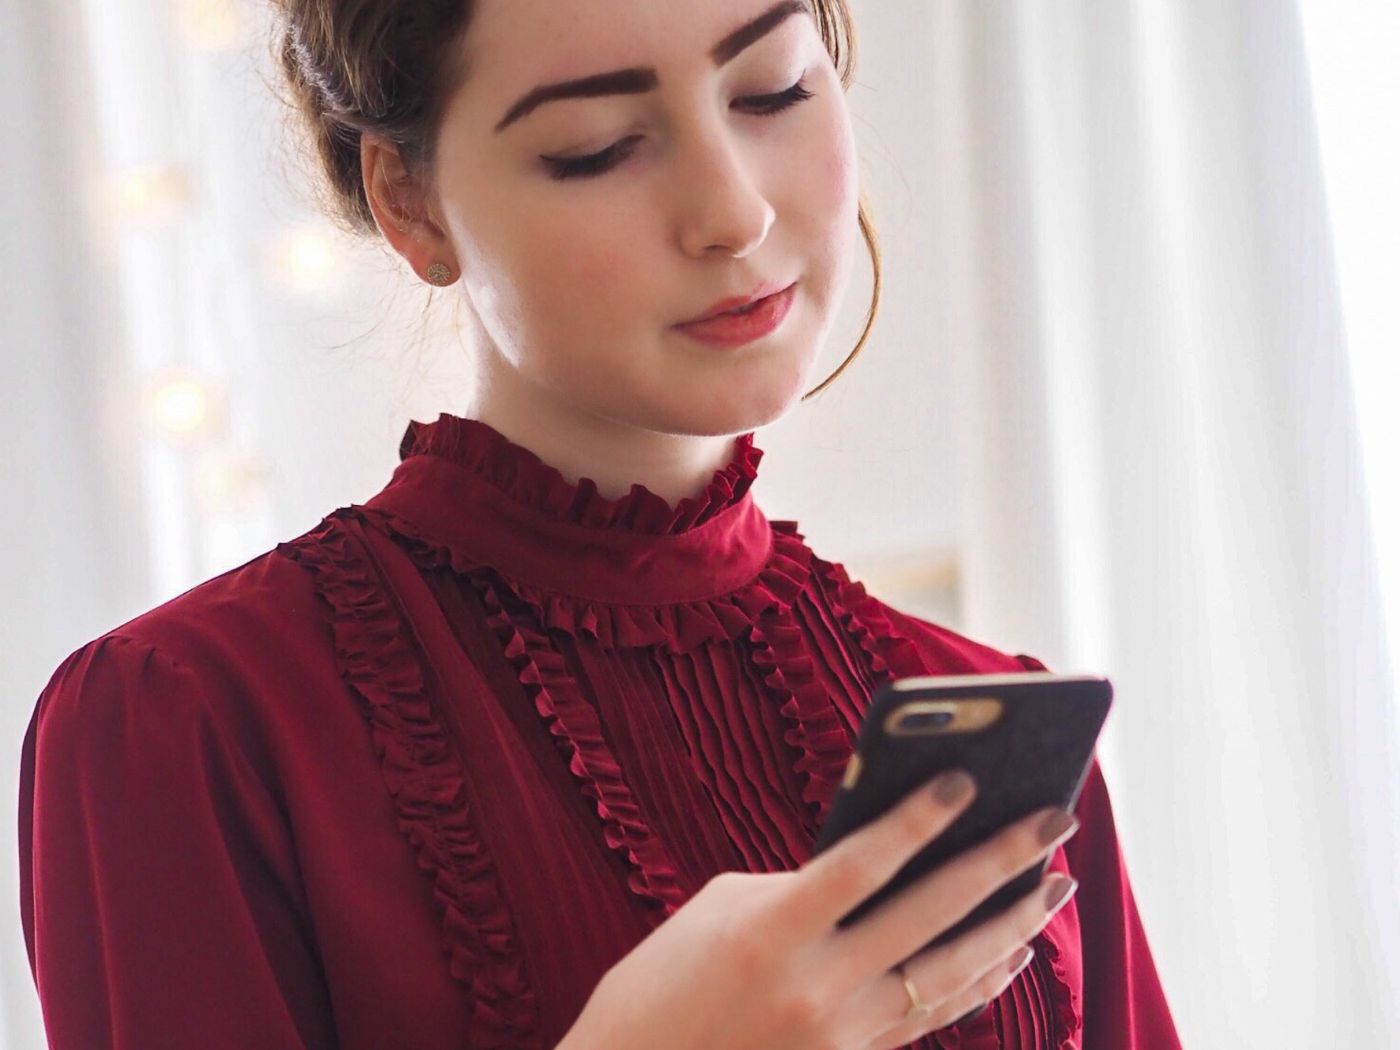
(159,892)
(1124,1006)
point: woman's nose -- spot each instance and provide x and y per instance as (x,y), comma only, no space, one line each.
(721,203)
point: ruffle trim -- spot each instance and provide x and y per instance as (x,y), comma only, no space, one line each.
(814,728)
(522,475)
(889,653)
(558,699)
(1069,1020)
(678,626)
(425,779)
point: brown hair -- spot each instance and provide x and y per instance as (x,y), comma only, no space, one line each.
(389,67)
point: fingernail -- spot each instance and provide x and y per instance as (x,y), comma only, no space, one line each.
(952,787)
(1060,888)
(1055,825)
(1020,961)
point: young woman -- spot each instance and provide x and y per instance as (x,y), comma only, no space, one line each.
(530,749)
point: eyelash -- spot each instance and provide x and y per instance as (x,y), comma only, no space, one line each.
(598,163)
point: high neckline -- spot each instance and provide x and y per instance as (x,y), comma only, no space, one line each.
(465,487)
(521,475)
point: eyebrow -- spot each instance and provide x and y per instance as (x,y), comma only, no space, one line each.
(639,80)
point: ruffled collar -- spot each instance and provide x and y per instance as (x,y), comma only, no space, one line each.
(464,486)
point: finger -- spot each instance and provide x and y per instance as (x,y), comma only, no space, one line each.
(983,990)
(906,922)
(944,973)
(987,987)
(835,881)
(980,947)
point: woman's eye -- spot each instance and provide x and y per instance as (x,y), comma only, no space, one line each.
(594,164)
(767,105)
(598,163)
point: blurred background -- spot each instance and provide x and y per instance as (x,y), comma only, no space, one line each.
(1129,406)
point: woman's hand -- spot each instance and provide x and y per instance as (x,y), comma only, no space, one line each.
(757,962)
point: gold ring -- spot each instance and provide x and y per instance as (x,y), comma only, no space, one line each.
(918,1009)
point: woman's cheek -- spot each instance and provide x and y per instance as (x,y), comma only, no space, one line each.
(836,162)
(587,260)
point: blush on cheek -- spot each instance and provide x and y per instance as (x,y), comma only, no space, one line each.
(839,178)
(591,250)
(614,260)
(591,294)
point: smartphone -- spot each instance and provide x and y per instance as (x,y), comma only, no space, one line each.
(1026,738)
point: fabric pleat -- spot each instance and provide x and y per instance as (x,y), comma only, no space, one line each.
(571,718)
(736,753)
(844,668)
(644,728)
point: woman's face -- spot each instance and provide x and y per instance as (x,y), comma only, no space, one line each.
(577,272)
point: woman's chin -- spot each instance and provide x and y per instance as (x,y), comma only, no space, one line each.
(726,412)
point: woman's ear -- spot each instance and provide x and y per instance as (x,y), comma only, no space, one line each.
(403,212)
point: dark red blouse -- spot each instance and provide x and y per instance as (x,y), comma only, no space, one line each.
(418,777)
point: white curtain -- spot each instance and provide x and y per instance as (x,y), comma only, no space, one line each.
(1110,375)
(1163,482)
(71,551)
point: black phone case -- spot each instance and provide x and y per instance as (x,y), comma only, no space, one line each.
(1035,754)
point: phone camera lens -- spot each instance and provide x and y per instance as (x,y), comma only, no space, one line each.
(929,720)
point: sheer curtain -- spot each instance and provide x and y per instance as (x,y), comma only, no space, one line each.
(1164,482)
(1110,372)
(1352,46)
(171,346)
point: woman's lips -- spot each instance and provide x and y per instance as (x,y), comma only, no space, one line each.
(736,329)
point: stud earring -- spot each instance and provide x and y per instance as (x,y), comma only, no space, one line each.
(440,274)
